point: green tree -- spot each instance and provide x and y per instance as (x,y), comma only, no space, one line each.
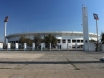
(25,40)
(37,40)
(22,40)
(102,38)
(50,39)
(29,42)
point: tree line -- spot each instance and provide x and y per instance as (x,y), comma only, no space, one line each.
(38,40)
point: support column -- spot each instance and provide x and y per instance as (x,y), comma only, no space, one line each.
(67,46)
(97,35)
(50,46)
(5,23)
(33,46)
(25,46)
(41,46)
(66,40)
(61,44)
(76,46)
(16,46)
(85,28)
(8,46)
(59,47)
(71,43)
(1,46)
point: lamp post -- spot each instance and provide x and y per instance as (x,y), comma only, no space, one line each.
(96,18)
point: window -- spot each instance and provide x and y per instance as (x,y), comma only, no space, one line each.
(81,41)
(16,41)
(78,41)
(73,41)
(58,41)
(63,41)
(69,41)
(12,41)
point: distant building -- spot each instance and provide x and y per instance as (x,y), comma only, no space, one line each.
(64,38)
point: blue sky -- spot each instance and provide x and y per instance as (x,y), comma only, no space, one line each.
(49,15)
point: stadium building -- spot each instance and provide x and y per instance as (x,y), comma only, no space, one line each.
(65,39)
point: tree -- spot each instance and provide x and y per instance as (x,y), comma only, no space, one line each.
(25,40)
(29,42)
(22,40)
(37,40)
(102,38)
(50,39)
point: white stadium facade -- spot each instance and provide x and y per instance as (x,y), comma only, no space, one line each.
(65,39)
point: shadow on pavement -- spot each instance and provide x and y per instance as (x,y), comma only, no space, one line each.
(49,62)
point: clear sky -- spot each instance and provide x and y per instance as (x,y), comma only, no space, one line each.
(49,15)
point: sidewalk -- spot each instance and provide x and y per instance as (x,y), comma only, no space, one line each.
(63,64)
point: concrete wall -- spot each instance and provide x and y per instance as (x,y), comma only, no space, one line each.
(91,47)
(102,47)
(86,47)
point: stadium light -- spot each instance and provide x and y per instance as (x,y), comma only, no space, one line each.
(96,18)
(5,24)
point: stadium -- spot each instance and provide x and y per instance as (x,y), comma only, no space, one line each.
(65,39)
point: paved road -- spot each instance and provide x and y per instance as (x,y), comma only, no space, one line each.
(54,64)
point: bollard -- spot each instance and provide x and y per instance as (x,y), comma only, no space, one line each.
(25,46)
(1,46)
(67,47)
(50,46)
(8,46)
(41,46)
(33,46)
(59,47)
(16,46)
(76,46)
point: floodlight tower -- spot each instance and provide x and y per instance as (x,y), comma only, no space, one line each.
(96,18)
(5,24)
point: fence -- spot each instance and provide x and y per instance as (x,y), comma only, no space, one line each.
(42,47)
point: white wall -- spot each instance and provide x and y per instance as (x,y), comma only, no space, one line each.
(91,47)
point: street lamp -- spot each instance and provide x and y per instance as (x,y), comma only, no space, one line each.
(96,18)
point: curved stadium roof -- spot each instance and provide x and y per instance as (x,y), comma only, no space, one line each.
(67,33)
